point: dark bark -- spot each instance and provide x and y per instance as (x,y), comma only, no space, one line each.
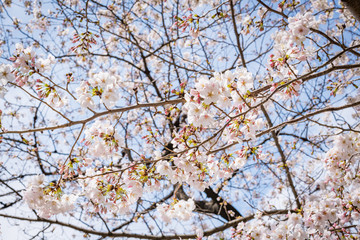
(353,6)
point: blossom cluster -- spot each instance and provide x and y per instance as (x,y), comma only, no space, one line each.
(26,63)
(101,84)
(339,160)
(243,128)
(102,139)
(328,211)
(182,210)
(48,200)
(223,91)
(45,90)
(113,193)
(195,169)
(260,229)
(320,219)
(6,76)
(227,96)
(299,26)
(289,47)
(341,163)
(292,41)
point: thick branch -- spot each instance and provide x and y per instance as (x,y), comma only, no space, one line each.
(118,110)
(221,228)
(283,159)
